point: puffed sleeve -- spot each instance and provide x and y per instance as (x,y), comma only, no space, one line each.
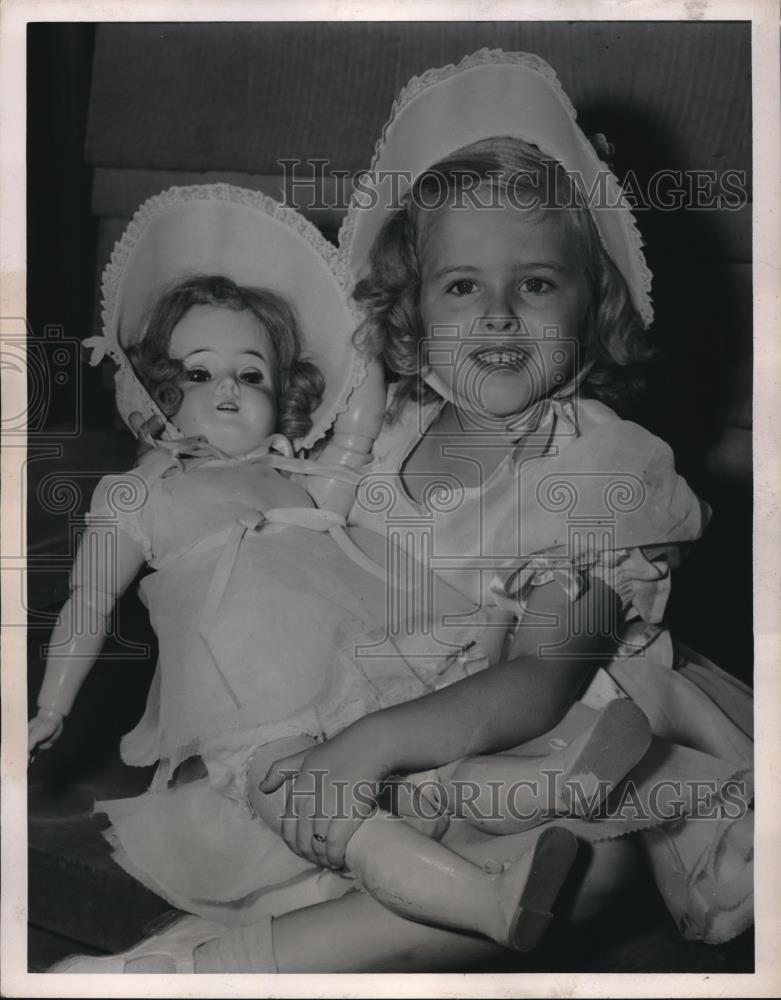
(120,501)
(612,505)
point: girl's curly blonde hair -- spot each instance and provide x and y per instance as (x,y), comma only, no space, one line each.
(614,343)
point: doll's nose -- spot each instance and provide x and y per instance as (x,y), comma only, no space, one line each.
(226,386)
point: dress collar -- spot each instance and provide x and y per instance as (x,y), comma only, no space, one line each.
(542,422)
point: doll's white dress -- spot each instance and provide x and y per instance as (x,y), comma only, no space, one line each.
(267,630)
(601,497)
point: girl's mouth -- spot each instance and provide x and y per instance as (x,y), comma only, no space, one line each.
(228,407)
(509,357)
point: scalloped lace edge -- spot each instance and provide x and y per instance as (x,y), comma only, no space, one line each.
(125,247)
(486,57)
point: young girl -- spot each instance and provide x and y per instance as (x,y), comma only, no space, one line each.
(260,603)
(507,295)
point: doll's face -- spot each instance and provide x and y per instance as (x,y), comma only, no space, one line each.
(503,301)
(230,386)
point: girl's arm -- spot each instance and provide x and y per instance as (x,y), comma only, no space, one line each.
(107,562)
(498,708)
(516,700)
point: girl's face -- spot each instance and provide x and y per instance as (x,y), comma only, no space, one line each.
(230,386)
(503,300)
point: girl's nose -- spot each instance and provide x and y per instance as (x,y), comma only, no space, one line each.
(500,314)
(500,322)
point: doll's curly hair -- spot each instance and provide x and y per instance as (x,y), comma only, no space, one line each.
(614,344)
(300,383)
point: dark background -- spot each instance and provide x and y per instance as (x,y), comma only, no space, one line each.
(118,112)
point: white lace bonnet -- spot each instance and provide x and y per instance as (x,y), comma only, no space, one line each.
(255,241)
(491,93)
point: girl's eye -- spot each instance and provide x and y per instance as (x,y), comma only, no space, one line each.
(536,286)
(197,375)
(252,376)
(464,286)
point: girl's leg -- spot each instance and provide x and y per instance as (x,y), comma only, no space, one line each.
(507,793)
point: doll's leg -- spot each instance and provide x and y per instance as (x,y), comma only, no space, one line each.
(420,879)
(351,934)
(358,934)
(507,793)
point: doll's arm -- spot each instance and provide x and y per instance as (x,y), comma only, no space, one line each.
(107,561)
(352,440)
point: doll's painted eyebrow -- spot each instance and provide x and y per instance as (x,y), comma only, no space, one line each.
(241,354)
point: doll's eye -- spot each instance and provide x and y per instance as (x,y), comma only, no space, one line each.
(536,286)
(252,376)
(464,286)
(198,375)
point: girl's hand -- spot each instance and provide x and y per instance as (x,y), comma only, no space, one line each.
(330,791)
(43,731)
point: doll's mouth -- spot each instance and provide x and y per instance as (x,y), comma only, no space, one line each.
(510,358)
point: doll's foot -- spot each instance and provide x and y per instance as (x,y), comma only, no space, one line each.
(603,756)
(170,951)
(530,887)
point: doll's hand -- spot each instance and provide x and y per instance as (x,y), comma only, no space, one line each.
(330,791)
(43,730)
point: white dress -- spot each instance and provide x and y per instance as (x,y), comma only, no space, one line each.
(270,626)
(603,499)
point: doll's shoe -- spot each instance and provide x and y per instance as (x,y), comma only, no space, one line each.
(531,885)
(170,951)
(603,756)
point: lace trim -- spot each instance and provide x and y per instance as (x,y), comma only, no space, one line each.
(130,392)
(487,57)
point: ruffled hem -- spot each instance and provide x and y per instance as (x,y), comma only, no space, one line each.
(197,844)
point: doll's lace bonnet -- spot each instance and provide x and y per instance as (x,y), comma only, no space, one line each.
(255,241)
